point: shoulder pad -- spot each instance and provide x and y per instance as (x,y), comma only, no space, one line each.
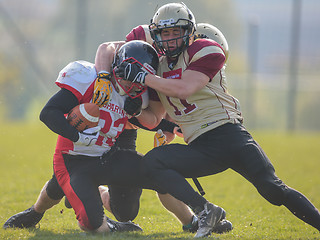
(78,75)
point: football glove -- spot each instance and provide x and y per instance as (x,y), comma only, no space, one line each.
(133,106)
(159,139)
(102,89)
(131,72)
(89,136)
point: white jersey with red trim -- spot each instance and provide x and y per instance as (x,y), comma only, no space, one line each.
(79,77)
(209,107)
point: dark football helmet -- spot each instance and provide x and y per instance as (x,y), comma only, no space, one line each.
(169,16)
(139,52)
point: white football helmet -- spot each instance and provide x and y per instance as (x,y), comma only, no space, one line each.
(206,30)
(168,16)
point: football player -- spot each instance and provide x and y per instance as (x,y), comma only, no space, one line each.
(192,89)
(121,201)
(178,208)
(85,160)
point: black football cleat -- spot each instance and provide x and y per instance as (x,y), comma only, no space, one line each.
(123,226)
(26,219)
(208,219)
(222,227)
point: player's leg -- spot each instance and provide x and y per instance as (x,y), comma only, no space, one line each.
(107,223)
(76,184)
(257,168)
(127,140)
(180,210)
(105,197)
(49,196)
(188,219)
(79,178)
(278,193)
(125,176)
(171,164)
(124,202)
(129,168)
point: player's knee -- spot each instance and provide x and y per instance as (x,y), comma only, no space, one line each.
(126,214)
(54,190)
(272,189)
(89,223)
(125,206)
(83,227)
(88,227)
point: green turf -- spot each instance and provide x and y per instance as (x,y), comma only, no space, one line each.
(26,163)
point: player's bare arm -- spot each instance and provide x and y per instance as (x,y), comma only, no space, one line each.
(103,59)
(152,115)
(190,82)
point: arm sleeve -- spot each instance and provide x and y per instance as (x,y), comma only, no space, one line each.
(52,115)
(206,56)
(164,125)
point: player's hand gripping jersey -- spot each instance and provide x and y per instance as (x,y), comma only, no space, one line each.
(78,77)
(209,107)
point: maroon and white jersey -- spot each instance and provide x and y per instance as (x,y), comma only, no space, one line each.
(140,32)
(209,107)
(79,77)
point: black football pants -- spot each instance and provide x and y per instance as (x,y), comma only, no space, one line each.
(124,201)
(228,146)
(81,176)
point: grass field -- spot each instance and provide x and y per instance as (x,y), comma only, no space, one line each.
(26,164)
